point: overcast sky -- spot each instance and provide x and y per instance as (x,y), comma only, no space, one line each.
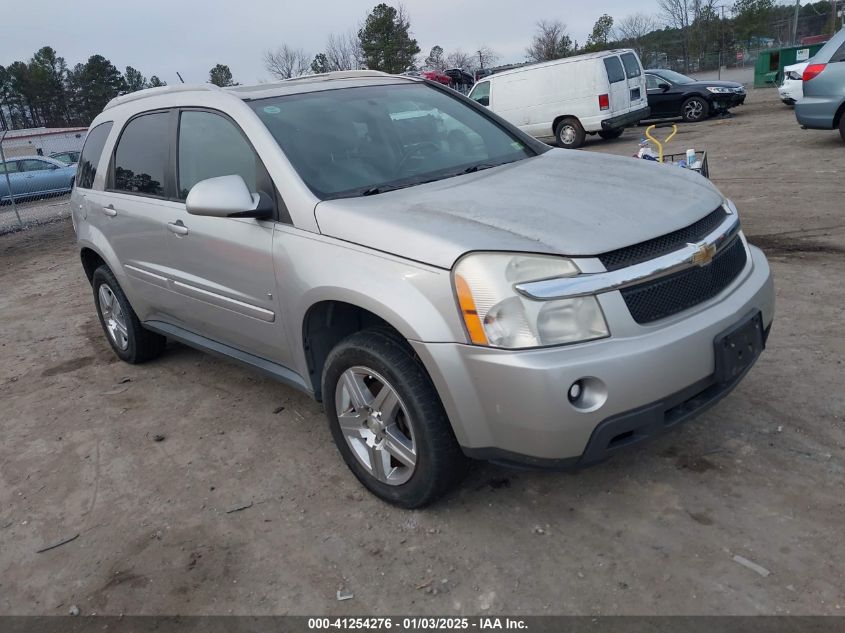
(160,37)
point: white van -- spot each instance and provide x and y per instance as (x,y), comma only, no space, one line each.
(599,93)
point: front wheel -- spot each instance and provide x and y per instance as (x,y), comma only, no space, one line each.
(695,109)
(387,421)
(569,133)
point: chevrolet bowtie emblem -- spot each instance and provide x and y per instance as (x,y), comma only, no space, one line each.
(704,254)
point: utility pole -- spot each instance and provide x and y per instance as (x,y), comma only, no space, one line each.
(480,60)
(795,22)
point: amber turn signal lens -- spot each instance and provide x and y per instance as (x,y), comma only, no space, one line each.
(468,311)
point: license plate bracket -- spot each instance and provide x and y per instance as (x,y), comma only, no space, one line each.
(738,347)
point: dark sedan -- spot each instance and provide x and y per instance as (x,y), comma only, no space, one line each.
(672,94)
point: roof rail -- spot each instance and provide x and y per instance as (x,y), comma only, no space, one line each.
(335,74)
(161,90)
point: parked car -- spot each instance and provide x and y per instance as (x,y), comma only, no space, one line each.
(33,177)
(671,94)
(792,88)
(68,158)
(600,93)
(516,303)
(823,105)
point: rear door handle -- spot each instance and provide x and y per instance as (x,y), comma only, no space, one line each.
(178,228)
(109,211)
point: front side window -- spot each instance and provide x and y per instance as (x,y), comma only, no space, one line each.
(614,69)
(652,82)
(210,146)
(141,157)
(366,140)
(481,93)
(91,153)
(632,65)
(35,165)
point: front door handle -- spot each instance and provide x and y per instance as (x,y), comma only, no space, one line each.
(110,211)
(178,228)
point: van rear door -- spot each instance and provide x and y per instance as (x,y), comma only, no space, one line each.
(620,98)
(637,96)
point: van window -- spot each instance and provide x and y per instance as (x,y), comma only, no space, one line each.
(481,93)
(614,69)
(210,146)
(91,153)
(632,65)
(141,157)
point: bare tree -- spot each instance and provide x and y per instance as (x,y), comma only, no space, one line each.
(460,59)
(486,56)
(676,14)
(286,62)
(343,51)
(631,31)
(551,41)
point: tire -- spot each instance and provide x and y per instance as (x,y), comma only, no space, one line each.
(695,109)
(408,420)
(569,133)
(609,135)
(129,340)
(842,126)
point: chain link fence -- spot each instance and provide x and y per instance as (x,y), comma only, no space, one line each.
(37,170)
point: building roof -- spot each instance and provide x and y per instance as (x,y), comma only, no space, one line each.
(42,131)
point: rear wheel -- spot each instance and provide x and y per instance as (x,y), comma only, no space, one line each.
(129,340)
(387,421)
(611,134)
(842,126)
(695,109)
(569,133)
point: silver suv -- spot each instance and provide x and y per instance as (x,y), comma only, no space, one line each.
(444,284)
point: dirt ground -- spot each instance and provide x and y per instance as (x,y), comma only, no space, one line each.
(160,526)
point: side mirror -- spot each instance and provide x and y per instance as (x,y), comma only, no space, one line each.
(664,86)
(485,101)
(226,197)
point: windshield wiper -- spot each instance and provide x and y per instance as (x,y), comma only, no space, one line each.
(377,189)
(474,168)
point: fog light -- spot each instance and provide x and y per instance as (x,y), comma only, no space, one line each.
(575,391)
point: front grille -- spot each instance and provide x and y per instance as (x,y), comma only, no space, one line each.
(644,251)
(663,297)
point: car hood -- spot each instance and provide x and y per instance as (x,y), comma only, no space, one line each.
(563,202)
(716,83)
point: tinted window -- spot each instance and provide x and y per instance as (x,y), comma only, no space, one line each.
(632,65)
(140,160)
(35,165)
(10,167)
(614,69)
(91,152)
(839,56)
(367,140)
(481,93)
(209,146)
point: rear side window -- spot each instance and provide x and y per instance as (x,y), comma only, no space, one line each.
(632,66)
(209,146)
(614,69)
(91,152)
(141,157)
(9,168)
(839,55)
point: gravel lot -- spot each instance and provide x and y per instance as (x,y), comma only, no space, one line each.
(654,531)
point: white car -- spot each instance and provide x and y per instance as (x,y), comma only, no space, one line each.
(792,88)
(599,93)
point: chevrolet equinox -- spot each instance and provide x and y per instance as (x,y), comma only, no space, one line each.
(447,286)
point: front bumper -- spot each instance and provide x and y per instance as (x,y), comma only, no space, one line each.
(727,101)
(513,406)
(626,120)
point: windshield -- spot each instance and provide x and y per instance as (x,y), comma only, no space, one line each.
(363,141)
(676,78)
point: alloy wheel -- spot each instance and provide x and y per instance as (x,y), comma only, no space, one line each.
(113,317)
(376,425)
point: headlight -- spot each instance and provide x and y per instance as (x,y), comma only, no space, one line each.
(730,207)
(719,90)
(496,315)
